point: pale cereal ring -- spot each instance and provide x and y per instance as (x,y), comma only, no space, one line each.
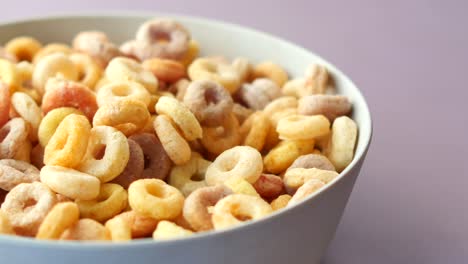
(179,88)
(269,186)
(5,225)
(119,229)
(108,165)
(86,229)
(209,102)
(52,48)
(218,139)
(331,106)
(12,135)
(189,176)
(173,143)
(271,71)
(241,112)
(295,178)
(125,69)
(112,200)
(259,93)
(70,182)
(14,172)
(191,54)
(280,104)
(254,130)
(229,211)
(135,165)
(285,153)
(168,230)
(155,198)
(27,205)
(317,79)
(277,116)
(24,48)
(4,54)
(37,156)
(5,103)
(313,161)
(53,65)
(196,206)
(51,121)
(27,108)
(342,143)
(59,218)
(65,147)
(117,91)
(308,188)
(280,202)
(243,67)
(165,70)
(303,127)
(240,161)
(128,116)
(97,45)
(181,115)
(140,225)
(214,70)
(157,163)
(89,71)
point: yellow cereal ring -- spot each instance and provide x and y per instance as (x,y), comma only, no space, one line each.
(297,127)
(24,48)
(255,130)
(280,104)
(285,153)
(280,202)
(173,143)
(9,75)
(86,230)
(51,121)
(168,230)
(5,225)
(116,91)
(125,69)
(61,217)
(52,48)
(342,143)
(271,71)
(215,70)
(119,229)
(89,71)
(189,176)
(241,186)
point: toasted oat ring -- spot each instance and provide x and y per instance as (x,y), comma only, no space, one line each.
(27,108)
(125,69)
(97,45)
(190,176)
(128,116)
(331,106)
(86,229)
(51,49)
(51,121)
(24,152)
(173,143)
(196,206)
(116,91)
(259,93)
(89,71)
(240,161)
(157,163)
(24,48)
(228,210)
(254,130)
(169,230)
(112,162)
(218,139)
(285,153)
(140,225)
(280,202)
(53,65)
(299,127)
(191,54)
(5,225)
(295,178)
(26,205)
(14,172)
(155,198)
(5,103)
(65,147)
(181,115)
(59,218)
(280,104)
(12,135)
(271,71)
(119,229)
(269,186)
(112,199)
(135,165)
(214,70)
(342,143)
(70,182)
(209,101)
(165,70)
(308,188)
(313,161)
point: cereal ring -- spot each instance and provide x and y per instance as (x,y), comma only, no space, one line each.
(14,172)
(70,182)
(259,93)
(5,225)
(210,102)
(108,165)
(60,217)
(119,229)
(97,45)
(280,104)
(4,54)
(12,135)
(65,147)
(37,156)
(27,108)
(295,87)
(241,186)
(52,48)
(190,176)
(62,198)
(277,116)
(255,130)
(168,230)
(86,229)
(240,161)
(214,70)
(271,71)
(295,178)
(241,112)
(316,79)
(331,106)
(285,153)
(88,70)
(112,200)
(117,91)
(191,54)
(155,198)
(51,121)
(128,116)
(5,103)
(181,115)
(165,70)
(51,66)
(148,128)
(179,88)
(23,48)
(280,202)
(243,67)
(140,225)
(308,188)
(125,69)
(27,205)
(196,206)
(157,163)
(312,161)
(9,75)
(135,165)
(299,127)
(235,209)
(269,186)
(24,152)
(343,141)
(218,139)
(173,143)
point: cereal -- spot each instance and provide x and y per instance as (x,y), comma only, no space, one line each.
(191,54)
(269,186)
(53,65)
(169,230)
(240,161)
(280,202)
(59,218)
(241,113)
(331,106)
(255,130)
(317,79)
(5,103)
(5,225)
(15,172)
(27,108)
(214,70)
(155,198)
(209,102)
(179,88)
(308,188)
(134,167)
(116,91)
(295,87)
(23,48)
(97,45)
(9,75)
(259,93)
(173,143)
(89,71)
(165,70)
(27,205)
(343,141)
(71,183)
(37,156)
(271,71)
(297,127)
(295,178)
(313,161)
(189,176)
(196,206)
(285,153)
(51,121)
(24,152)
(52,48)
(229,211)
(125,69)
(12,135)
(243,67)
(119,229)
(280,104)
(240,185)
(140,225)
(86,229)
(218,139)
(4,54)
(109,164)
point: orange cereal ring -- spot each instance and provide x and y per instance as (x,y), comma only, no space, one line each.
(24,48)
(173,143)
(14,172)
(51,121)
(140,225)
(86,229)
(12,135)
(135,165)
(269,186)
(218,139)
(255,130)
(59,218)
(4,103)
(165,70)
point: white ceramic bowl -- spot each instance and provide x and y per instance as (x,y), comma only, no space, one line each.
(298,235)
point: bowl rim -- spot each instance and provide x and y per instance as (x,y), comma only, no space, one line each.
(149,242)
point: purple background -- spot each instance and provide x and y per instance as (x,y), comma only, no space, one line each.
(410,59)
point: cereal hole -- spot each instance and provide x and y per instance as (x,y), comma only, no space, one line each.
(99,151)
(211,96)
